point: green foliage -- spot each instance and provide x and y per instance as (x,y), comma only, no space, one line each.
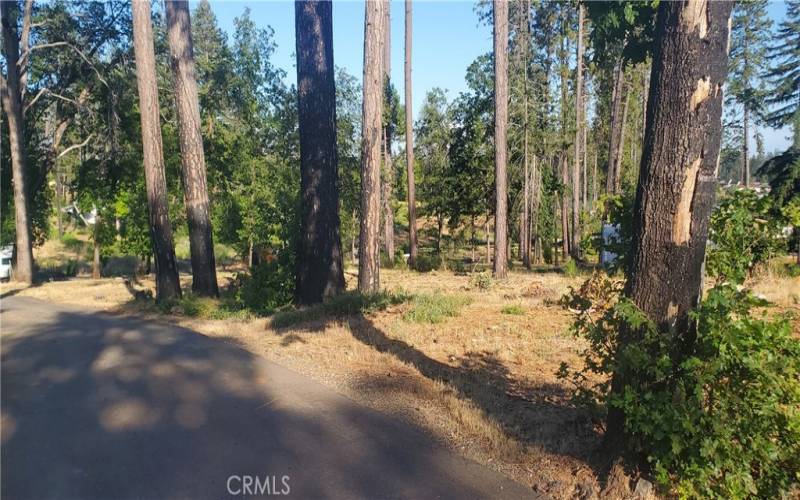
(514,309)
(570,269)
(340,306)
(744,232)
(427,262)
(266,288)
(482,281)
(435,308)
(717,416)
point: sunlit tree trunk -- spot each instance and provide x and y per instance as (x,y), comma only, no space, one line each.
(677,181)
(387,185)
(412,200)
(368,251)
(193,163)
(500,137)
(12,104)
(167,283)
(320,272)
(576,164)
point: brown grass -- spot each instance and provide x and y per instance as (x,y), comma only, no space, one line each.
(482,383)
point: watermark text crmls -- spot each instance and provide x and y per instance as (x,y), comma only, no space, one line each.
(246,484)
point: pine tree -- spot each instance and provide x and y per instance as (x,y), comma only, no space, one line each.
(750,34)
(784,72)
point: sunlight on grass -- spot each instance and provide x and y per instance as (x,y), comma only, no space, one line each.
(434,308)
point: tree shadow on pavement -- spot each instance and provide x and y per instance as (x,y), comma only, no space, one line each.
(96,406)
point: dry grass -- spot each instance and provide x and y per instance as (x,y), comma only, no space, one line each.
(481,382)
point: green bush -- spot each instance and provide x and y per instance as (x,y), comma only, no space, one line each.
(514,309)
(434,308)
(482,281)
(570,269)
(427,262)
(717,418)
(744,232)
(346,304)
(268,287)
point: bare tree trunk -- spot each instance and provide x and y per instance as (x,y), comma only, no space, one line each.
(320,273)
(412,200)
(621,143)
(368,252)
(565,234)
(677,182)
(193,163)
(488,241)
(12,104)
(387,187)
(167,283)
(534,219)
(594,179)
(500,137)
(576,164)
(96,245)
(745,151)
(613,136)
(525,225)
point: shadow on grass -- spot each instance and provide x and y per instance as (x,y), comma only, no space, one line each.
(537,415)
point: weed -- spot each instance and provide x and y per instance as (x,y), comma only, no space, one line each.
(434,308)
(482,281)
(346,304)
(515,309)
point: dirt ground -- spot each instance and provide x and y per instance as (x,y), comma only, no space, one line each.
(482,383)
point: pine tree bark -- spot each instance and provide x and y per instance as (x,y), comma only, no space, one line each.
(193,163)
(613,136)
(677,179)
(500,137)
(320,272)
(167,283)
(12,104)
(576,164)
(525,225)
(676,190)
(412,200)
(388,167)
(372,112)
(621,142)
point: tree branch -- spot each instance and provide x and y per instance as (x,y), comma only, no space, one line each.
(76,146)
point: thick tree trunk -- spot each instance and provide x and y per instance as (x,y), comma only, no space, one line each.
(320,273)
(167,283)
(12,104)
(500,139)
(412,200)
(193,163)
(575,238)
(368,252)
(675,194)
(387,187)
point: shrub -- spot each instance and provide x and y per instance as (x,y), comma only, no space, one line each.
(717,418)
(515,309)
(268,287)
(434,308)
(570,269)
(346,304)
(482,281)
(744,233)
(428,262)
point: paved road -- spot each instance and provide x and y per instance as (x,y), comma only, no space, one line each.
(97,406)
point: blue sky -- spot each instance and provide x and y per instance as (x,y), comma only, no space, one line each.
(447,38)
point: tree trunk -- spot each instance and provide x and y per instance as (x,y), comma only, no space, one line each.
(12,104)
(368,252)
(745,151)
(621,142)
(387,186)
(525,225)
(677,181)
(575,238)
(193,163)
(613,136)
(320,273)
(500,139)
(533,230)
(412,201)
(96,244)
(167,283)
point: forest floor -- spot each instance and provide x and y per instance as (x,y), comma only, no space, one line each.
(473,367)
